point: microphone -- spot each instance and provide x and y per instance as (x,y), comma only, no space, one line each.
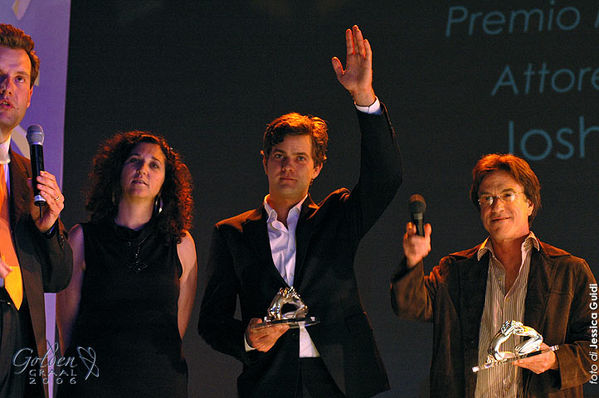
(35,137)
(417,207)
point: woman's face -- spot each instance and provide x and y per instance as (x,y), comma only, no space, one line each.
(143,172)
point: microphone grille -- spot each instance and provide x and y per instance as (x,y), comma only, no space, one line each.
(417,204)
(35,135)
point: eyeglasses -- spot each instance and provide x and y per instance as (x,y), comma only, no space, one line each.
(487,200)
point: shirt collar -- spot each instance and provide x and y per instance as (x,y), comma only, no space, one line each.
(293,212)
(4,156)
(487,245)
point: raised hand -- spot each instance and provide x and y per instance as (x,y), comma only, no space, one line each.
(357,76)
(416,247)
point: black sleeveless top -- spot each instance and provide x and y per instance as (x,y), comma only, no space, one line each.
(127,316)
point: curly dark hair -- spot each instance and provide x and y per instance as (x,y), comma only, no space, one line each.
(15,38)
(297,124)
(515,166)
(104,193)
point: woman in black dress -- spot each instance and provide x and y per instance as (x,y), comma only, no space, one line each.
(126,309)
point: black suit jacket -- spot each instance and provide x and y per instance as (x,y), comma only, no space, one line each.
(327,237)
(46,261)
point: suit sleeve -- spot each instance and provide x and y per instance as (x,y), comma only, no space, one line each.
(60,260)
(413,294)
(380,170)
(573,356)
(217,324)
(53,253)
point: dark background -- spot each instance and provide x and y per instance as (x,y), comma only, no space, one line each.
(210,75)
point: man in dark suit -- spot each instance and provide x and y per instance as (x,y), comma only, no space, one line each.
(291,241)
(34,255)
(511,276)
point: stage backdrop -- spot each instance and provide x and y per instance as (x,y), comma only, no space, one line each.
(461,78)
(47,22)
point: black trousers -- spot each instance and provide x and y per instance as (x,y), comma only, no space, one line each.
(316,381)
(16,334)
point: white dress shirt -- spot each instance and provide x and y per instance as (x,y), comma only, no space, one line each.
(5,160)
(283,249)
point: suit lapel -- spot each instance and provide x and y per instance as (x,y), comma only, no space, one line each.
(303,234)
(19,191)
(20,196)
(473,280)
(540,279)
(256,235)
(473,283)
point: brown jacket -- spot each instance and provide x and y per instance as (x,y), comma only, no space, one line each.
(558,305)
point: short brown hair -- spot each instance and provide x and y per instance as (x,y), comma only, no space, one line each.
(15,38)
(296,124)
(515,166)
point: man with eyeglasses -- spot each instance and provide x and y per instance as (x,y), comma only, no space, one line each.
(510,276)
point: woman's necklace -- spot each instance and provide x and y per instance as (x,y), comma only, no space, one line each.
(134,241)
(135,263)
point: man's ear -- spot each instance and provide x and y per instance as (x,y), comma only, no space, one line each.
(30,94)
(264,162)
(531,207)
(317,170)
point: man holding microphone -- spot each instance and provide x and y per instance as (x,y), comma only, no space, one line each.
(34,254)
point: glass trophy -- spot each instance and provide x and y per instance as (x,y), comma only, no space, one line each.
(528,348)
(298,317)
